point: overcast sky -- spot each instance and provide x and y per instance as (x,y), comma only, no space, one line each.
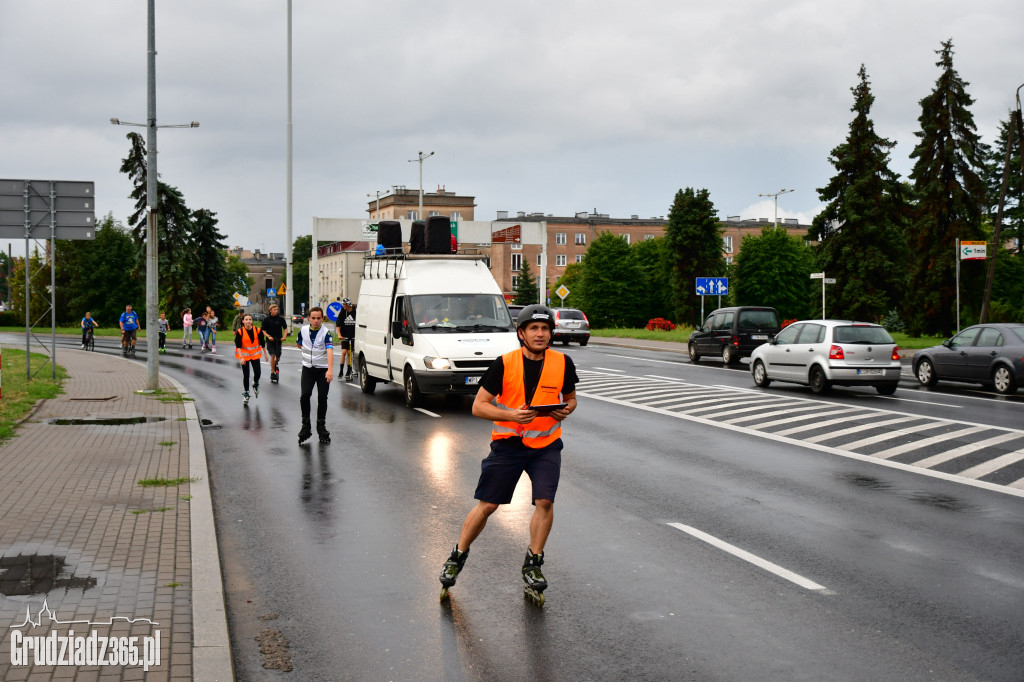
(534,105)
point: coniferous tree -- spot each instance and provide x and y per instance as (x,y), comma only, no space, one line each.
(1013,208)
(527,291)
(694,239)
(862,229)
(302,252)
(950,199)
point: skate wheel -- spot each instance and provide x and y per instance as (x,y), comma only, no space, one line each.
(534,596)
(444,593)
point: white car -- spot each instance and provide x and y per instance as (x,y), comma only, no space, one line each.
(823,353)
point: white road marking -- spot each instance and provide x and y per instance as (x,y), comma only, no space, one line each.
(751,558)
(966,449)
(986,468)
(609,369)
(427,412)
(889,453)
(859,428)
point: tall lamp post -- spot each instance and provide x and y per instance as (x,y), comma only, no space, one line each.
(378,201)
(775,195)
(152,280)
(419,157)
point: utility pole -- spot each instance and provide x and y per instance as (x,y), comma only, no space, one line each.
(419,157)
(776,197)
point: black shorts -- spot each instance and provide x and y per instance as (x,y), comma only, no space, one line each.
(274,348)
(346,344)
(500,471)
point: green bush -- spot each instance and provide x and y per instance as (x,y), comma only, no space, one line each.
(10,318)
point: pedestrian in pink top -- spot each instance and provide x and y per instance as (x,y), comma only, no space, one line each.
(186,325)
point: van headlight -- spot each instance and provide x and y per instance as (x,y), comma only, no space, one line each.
(436,363)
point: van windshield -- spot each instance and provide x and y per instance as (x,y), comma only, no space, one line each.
(466,313)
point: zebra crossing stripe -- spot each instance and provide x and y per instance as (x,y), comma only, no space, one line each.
(967,449)
(889,453)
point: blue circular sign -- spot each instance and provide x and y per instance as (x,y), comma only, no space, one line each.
(333,310)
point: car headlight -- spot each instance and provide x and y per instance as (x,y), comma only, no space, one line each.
(436,363)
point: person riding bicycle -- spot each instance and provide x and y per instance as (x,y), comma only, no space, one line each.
(129,323)
(87,326)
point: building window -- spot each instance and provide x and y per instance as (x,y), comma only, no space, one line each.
(626,237)
(560,260)
(581,238)
(560,238)
(412,215)
(648,237)
(515,282)
(456,216)
(517,246)
(728,260)
(433,213)
(517,262)
(579,257)
(727,244)
(538,260)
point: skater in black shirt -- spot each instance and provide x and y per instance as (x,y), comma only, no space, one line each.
(522,439)
(347,334)
(275,328)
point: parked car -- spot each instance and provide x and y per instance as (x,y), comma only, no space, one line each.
(989,354)
(823,353)
(733,333)
(298,320)
(513,310)
(570,325)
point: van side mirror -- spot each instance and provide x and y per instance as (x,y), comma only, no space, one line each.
(398,329)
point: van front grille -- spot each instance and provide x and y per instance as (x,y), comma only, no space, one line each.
(473,364)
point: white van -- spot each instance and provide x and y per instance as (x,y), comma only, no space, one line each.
(434,323)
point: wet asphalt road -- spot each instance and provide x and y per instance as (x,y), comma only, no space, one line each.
(338,546)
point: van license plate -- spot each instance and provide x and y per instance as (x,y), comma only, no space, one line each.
(472,380)
(759,337)
(871,372)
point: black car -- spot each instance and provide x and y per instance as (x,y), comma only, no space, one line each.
(989,354)
(298,320)
(734,333)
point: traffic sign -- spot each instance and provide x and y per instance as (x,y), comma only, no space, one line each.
(817,275)
(333,310)
(271,292)
(712,286)
(562,291)
(829,280)
(37,205)
(281,290)
(973,250)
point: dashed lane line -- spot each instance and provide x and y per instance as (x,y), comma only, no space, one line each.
(761,563)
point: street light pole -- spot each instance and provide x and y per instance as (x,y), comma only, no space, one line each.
(419,157)
(152,203)
(775,195)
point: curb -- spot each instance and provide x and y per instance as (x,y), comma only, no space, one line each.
(211,644)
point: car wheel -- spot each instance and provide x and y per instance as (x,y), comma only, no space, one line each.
(565,342)
(1003,382)
(694,355)
(819,383)
(413,397)
(887,389)
(728,355)
(366,383)
(760,375)
(584,342)
(926,373)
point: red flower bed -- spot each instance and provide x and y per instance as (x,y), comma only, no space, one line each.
(661,324)
(786,323)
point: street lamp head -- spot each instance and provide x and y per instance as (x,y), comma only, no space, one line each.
(115,121)
(195,124)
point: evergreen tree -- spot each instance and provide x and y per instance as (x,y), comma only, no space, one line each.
(610,283)
(950,196)
(1013,209)
(526,291)
(774,270)
(694,239)
(213,286)
(862,229)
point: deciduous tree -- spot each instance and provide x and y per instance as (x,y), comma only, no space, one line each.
(694,239)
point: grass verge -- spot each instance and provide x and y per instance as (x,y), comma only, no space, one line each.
(165,482)
(19,394)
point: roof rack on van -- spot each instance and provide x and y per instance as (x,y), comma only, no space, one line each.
(389,265)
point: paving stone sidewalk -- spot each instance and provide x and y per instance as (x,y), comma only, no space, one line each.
(85,548)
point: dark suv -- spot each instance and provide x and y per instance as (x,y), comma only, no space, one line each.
(734,333)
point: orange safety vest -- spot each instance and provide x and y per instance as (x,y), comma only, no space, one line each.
(251,348)
(544,429)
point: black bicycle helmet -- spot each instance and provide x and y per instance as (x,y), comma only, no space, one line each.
(535,313)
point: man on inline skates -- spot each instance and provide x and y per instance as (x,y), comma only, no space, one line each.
(527,393)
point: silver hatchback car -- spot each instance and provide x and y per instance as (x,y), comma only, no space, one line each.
(824,353)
